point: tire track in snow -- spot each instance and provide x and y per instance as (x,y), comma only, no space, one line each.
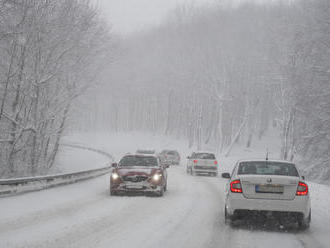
(189,215)
(176,219)
(307,240)
(43,216)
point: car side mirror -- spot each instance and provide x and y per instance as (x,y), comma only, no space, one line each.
(225,175)
(303,177)
(114,165)
(188,157)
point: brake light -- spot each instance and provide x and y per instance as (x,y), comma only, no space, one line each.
(235,186)
(195,161)
(302,189)
(215,162)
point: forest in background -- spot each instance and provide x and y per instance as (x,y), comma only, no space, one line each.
(216,76)
(223,75)
(51,51)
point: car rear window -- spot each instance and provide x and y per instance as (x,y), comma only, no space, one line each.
(267,168)
(174,153)
(138,161)
(203,156)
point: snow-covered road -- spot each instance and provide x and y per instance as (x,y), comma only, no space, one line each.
(189,215)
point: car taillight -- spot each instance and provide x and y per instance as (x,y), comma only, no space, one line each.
(302,189)
(215,162)
(235,186)
(195,161)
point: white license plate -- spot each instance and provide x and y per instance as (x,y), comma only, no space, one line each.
(269,188)
(134,186)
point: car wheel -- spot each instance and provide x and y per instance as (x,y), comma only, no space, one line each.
(227,218)
(112,193)
(304,223)
(165,187)
(161,192)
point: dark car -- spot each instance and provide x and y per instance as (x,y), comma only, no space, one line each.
(138,173)
(170,157)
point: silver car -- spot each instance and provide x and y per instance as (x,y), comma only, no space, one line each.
(202,163)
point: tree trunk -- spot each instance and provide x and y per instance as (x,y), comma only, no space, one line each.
(58,136)
(235,137)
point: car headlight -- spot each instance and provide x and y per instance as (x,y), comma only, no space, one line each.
(114,176)
(156,177)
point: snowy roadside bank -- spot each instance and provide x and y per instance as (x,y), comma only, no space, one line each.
(73,159)
(14,186)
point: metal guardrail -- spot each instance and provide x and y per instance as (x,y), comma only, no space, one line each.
(15,186)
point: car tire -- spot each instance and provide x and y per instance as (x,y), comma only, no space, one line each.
(165,187)
(161,192)
(112,193)
(227,217)
(304,223)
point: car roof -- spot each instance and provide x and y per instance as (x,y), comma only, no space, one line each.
(264,160)
(146,151)
(204,152)
(169,150)
(140,155)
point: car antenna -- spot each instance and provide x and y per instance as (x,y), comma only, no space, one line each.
(267,154)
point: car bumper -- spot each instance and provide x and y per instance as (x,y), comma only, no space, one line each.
(139,187)
(205,170)
(237,202)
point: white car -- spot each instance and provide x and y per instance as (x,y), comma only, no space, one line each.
(202,163)
(268,188)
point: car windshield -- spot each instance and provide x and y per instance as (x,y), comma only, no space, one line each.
(267,168)
(138,161)
(203,156)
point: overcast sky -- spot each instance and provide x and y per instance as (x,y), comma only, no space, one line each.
(128,16)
